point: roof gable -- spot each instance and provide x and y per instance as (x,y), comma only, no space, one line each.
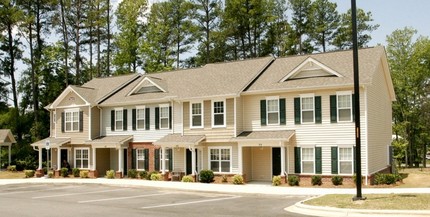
(6,137)
(149,85)
(310,68)
(69,97)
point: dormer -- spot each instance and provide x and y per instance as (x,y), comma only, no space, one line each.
(310,68)
(149,85)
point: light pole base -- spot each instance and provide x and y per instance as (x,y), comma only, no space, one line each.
(358,198)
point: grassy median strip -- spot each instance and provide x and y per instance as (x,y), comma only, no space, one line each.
(11,175)
(375,201)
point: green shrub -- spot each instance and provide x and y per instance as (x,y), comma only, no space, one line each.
(143,174)
(148,177)
(316,180)
(187,179)
(84,174)
(50,174)
(388,179)
(110,174)
(156,177)
(337,180)
(293,180)
(29,173)
(64,172)
(206,176)
(276,180)
(75,172)
(238,179)
(45,170)
(11,168)
(132,173)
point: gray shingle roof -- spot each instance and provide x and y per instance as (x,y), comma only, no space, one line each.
(339,61)
(54,142)
(283,135)
(110,140)
(178,139)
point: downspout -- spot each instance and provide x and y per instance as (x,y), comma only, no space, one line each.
(366,124)
(89,123)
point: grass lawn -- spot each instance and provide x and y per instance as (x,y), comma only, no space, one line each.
(11,175)
(375,201)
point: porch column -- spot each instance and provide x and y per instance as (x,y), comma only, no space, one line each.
(94,158)
(239,158)
(193,161)
(282,160)
(40,158)
(120,160)
(59,159)
(163,161)
(9,155)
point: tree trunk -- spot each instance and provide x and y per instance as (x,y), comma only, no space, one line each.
(78,44)
(108,38)
(98,42)
(65,42)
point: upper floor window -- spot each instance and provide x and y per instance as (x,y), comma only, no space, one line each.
(71,120)
(307,105)
(140,118)
(119,119)
(307,109)
(344,107)
(196,115)
(272,111)
(218,114)
(164,117)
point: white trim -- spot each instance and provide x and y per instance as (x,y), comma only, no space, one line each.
(224,113)
(89,123)
(143,159)
(313,159)
(309,95)
(230,148)
(201,115)
(144,117)
(344,93)
(68,90)
(88,159)
(352,159)
(235,116)
(168,118)
(311,60)
(366,140)
(267,110)
(115,119)
(139,85)
(71,112)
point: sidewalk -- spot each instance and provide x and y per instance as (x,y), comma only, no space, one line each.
(251,188)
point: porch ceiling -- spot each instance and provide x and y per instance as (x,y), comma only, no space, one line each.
(109,141)
(179,140)
(54,142)
(255,136)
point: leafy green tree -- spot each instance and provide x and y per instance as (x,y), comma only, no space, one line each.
(343,39)
(301,21)
(277,33)
(325,21)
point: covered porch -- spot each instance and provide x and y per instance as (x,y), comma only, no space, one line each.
(264,154)
(50,144)
(187,157)
(6,139)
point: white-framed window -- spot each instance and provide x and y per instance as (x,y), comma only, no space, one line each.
(140,159)
(82,158)
(196,111)
(218,113)
(119,122)
(140,118)
(308,160)
(164,116)
(346,160)
(71,120)
(272,111)
(344,106)
(220,159)
(307,108)
(166,158)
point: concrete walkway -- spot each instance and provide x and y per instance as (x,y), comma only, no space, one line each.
(253,188)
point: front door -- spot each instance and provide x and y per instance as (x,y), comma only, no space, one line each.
(64,155)
(276,161)
(189,160)
(125,161)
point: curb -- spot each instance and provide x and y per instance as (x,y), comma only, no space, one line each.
(305,209)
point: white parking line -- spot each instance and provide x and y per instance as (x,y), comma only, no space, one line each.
(15,188)
(122,198)
(71,194)
(46,188)
(192,202)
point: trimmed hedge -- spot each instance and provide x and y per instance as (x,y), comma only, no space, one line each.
(337,180)
(276,180)
(316,180)
(206,176)
(238,179)
(293,180)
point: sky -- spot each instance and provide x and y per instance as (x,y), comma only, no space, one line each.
(392,15)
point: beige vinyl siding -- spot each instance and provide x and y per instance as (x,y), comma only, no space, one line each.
(113,158)
(76,137)
(261,164)
(52,124)
(102,160)
(95,122)
(379,122)
(247,162)
(179,159)
(212,134)
(71,100)
(234,154)
(177,117)
(239,115)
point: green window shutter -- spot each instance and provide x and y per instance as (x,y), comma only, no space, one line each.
(170,117)
(133,119)
(318,118)
(112,120)
(147,120)
(63,120)
(353,107)
(157,118)
(263,112)
(124,120)
(353,159)
(157,160)
(146,153)
(81,121)
(297,160)
(133,158)
(333,108)
(318,160)
(170,157)
(282,118)
(297,110)
(334,167)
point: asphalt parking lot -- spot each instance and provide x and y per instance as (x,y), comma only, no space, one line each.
(103,200)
